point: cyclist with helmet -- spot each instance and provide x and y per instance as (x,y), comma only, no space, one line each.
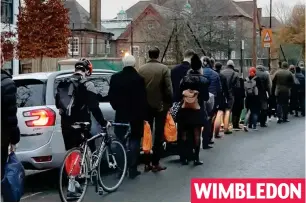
(85,101)
(76,98)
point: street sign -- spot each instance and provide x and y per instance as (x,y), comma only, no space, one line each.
(266,38)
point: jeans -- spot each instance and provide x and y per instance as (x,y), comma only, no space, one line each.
(137,128)
(251,118)
(282,106)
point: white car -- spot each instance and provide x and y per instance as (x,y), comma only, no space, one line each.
(41,144)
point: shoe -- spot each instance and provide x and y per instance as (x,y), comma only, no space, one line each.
(279,121)
(286,121)
(237,129)
(228,132)
(147,168)
(73,195)
(158,168)
(197,163)
(246,129)
(254,128)
(207,147)
(133,174)
(218,136)
(264,125)
(211,142)
(296,115)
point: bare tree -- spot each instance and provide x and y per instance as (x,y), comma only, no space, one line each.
(281,10)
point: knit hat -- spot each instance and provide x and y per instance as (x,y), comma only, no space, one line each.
(230,63)
(252,71)
(129,61)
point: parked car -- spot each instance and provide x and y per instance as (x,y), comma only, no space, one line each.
(41,145)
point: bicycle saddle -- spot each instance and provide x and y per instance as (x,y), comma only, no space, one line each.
(81,125)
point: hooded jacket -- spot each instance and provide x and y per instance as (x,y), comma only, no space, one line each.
(265,81)
(215,86)
(10,133)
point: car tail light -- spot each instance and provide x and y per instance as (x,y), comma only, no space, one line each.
(42,158)
(44,117)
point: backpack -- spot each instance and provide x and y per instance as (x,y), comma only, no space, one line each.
(190,99)
(250,87)
(68,96)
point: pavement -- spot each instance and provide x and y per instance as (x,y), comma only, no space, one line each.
(277,151)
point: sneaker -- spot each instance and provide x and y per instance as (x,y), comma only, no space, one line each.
(237,129)
(254,128)
(245,128)
(279,121)
(147,168)
(228,132)
(286,121)
(207,147)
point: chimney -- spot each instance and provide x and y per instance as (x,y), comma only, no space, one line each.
(95,13)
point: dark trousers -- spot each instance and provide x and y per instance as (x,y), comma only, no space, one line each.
(282,106)
(301,102)
(4,155)
(207,133)
(133,145)
(251,117)
(263,115)
(236,113)
(158,119)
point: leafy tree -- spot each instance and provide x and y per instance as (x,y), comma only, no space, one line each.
(43,30)
(8,44)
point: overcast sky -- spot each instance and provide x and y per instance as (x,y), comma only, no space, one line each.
(111,7)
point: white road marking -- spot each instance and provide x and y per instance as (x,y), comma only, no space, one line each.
(31,195)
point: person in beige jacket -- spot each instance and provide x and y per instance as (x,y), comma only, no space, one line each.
(159,95)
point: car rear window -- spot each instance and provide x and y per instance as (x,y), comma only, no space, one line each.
(30,92)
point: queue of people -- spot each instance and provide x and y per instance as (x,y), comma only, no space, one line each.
(201,95)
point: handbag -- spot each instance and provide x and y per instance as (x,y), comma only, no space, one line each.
(174,110)
(12,185)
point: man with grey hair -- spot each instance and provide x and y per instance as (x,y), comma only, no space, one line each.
(127,96)
(281,87)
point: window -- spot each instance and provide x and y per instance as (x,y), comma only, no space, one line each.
(7,11)
(30,92)
(107,47)
(101,83)
(91,46)
(74,46)
(136,51)
(150,26)
(233,55)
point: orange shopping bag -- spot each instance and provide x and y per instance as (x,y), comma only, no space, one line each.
(170,131)
(72,164)
(147,138)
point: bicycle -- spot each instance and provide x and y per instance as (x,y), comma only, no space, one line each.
(87,166)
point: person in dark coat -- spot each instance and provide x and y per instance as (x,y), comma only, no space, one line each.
(214,88)
(221,103)
(193,118)
(180,71)
(10,133)
(127,96)
(264,92)
(282,83)
(232,82)
(301,93)
(293,106)
(239,95)
(252,101)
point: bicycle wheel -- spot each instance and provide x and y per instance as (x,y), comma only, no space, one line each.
(115,153)
(73,177)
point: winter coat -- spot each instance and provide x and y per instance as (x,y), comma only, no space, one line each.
(127,95)
(232,82)
(9,122)
(158,85)
(283,81)
(215,86)
(264,91)
(177,74)
(253,101)
(301,78)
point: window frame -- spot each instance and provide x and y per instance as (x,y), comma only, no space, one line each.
(70,45)
(9,8)
(138,51)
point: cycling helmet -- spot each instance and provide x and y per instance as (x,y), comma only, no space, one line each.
(87,65)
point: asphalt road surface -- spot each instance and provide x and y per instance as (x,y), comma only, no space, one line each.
(277,151)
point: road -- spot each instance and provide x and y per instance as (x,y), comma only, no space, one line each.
(276,151)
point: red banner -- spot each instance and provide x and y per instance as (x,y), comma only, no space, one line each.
(271,190)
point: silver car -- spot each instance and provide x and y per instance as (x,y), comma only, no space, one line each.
(41,145)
